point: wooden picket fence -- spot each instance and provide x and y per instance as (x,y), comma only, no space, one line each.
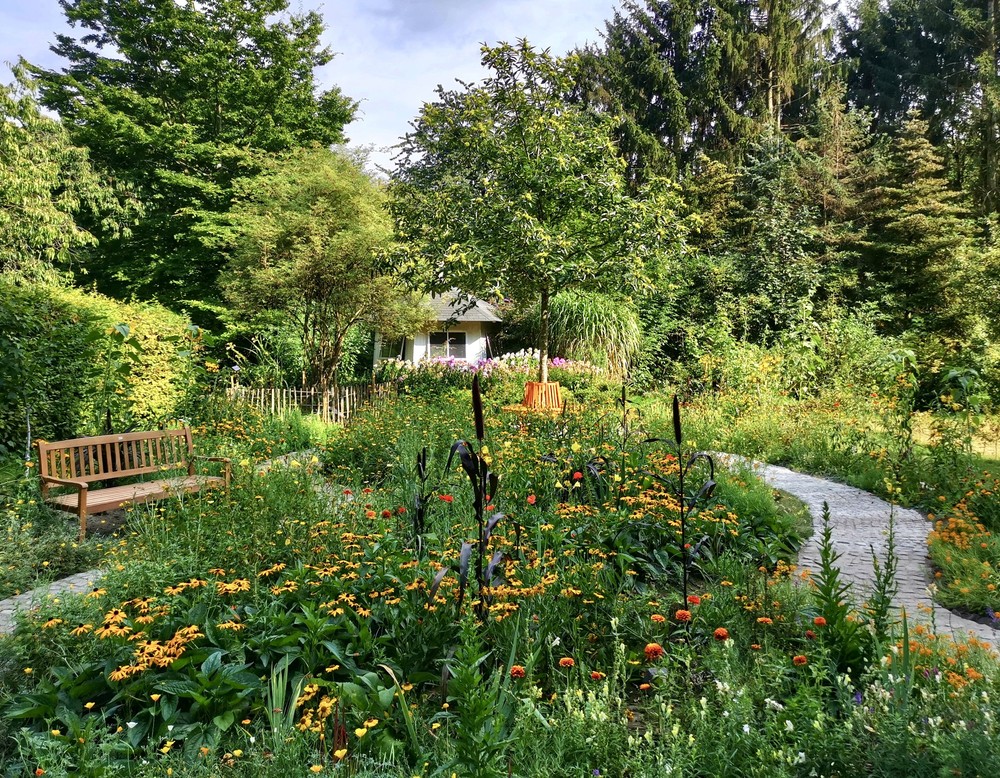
(335,407)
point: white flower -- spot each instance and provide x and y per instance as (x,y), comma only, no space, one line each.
(746,729)
(789,726)
(132,724)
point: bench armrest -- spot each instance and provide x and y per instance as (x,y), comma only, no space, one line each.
(65,482)
(227,474)
(47,480)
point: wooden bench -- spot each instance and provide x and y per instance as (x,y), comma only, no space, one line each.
(80,462)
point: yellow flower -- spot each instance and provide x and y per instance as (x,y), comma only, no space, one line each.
(154,697)
(89,705)
(28,671)
(237,752)
(371,723)
(167,746)
(340,753)
(361,732)
(317,768)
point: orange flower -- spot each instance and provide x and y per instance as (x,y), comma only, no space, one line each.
(694,599)
(659,619)
(653,651)
(683,615)
(446,498)
(764,620)
(819,621)
(799,660)
(567,661)
(721,634)
(532,499)
(755,646)
(517,671)
(597,676)
(645,687)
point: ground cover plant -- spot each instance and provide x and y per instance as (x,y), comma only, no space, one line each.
(308,623)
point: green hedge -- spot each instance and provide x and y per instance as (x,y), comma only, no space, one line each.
(70,356)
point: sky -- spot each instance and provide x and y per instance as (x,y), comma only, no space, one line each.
(391,54)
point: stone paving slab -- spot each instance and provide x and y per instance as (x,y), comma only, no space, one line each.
(79,583)
(860,523)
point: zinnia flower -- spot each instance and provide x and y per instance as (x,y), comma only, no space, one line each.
(446,498)
(658,618)
(683,615)
(567,661)
(819,621)
(721,634)
(694,599)
(577,476)
(653,651)
(517,671)
(810,635)
(799,660)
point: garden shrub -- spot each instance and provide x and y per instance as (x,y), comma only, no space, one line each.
(67,360)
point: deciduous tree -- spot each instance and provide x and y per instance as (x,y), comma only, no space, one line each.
(505,188)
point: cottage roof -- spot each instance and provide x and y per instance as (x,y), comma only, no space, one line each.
(447,307)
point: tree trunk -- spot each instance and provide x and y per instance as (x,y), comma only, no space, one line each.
(543,338)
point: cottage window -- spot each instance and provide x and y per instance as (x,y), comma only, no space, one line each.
(391,349)
(447,344)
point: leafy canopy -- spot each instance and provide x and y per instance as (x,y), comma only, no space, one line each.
(310,231)
(506,188)
(45,182)
(179,100)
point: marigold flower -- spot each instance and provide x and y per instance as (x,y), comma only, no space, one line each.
(694,599)
(799,660)
(653,651)
(658,618)
(683,615)
(721,634)
(819,621)
(567,661)
(517,671)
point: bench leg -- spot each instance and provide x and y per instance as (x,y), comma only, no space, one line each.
(82,513)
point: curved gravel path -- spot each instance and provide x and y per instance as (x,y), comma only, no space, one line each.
(859,520)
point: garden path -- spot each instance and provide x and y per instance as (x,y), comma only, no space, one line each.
(860,522)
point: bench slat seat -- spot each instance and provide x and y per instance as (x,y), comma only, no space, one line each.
(80,462)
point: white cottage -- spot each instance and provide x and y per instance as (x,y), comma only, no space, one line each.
(460,331)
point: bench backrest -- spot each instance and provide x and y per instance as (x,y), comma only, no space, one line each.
(115,456)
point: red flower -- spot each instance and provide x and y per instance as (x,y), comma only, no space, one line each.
(517,671)
(819,621)
(694,599)
(567,661)
(683,615)
(653,651)
(532,499)
(597,676)
(799,660)
(810,635)
(721,634)
(386,513)
(400,510)
(755,646)
(348,492)
(577,476)
(446,498)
